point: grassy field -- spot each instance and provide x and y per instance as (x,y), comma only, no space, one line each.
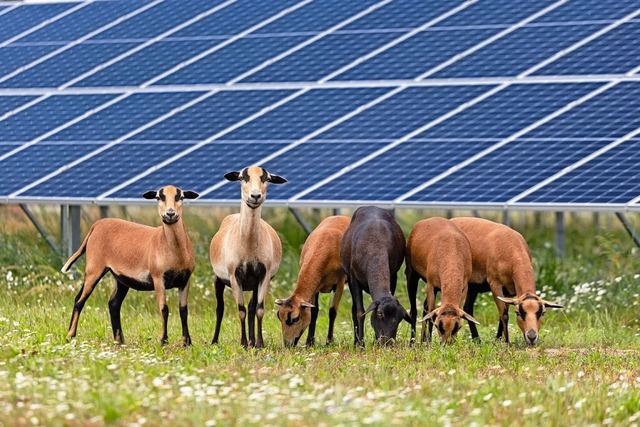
(586,369)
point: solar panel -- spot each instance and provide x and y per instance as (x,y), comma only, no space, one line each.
(459,104)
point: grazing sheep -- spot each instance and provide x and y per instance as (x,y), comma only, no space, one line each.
(246,253)
(371,253)
(320,271)
(438,253)
(502,264)
(139,257)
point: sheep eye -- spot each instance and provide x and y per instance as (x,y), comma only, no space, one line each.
(295,320)
(455,329)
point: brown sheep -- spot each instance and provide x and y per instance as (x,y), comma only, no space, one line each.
(502,263)
(438,253)
(139,257)
(320,271)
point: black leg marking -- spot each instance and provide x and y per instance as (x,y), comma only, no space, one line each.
(165,319)
(115,304)
(184,314)
(412,291)
(243,330)
(311,335)
(252,318)
(260,342)
(469,303)
(333,313)
(219,309)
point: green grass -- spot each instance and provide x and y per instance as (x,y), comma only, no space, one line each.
(586,369)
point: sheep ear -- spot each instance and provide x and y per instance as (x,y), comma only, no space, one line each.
(469,318)
(279,301)
(430,315)
(511,301)
(232,176)
(369,309)
(307,304)
(190,194)
(548,304)
(150,195)
(275,179)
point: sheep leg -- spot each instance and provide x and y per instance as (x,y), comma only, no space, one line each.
(357,313)
(242,311)
(333,310)
(219,309)
(183,293)
(469,302)
(311,335)
(161,298)
(252,318)
(91,279)
(115,303)
(412,290)
(503,312)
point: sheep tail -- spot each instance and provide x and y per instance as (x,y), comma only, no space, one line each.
(81,250)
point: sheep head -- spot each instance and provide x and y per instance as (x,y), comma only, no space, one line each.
(295,316)
(530,309)
(254,180)
(170,202)
(448,321)
(387,313)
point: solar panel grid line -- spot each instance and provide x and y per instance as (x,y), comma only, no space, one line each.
(574,166)
(635,201)
(9,9)
(493,38)
(333,84)
(111,144)
(80,40)
(62,127)
(227,42)
(289,147)
(313,39)
(507,140)
(586,40)
(148,43)
(45,23)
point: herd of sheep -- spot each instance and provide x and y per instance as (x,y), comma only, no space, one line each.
(457,257)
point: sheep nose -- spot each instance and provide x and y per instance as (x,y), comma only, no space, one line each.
(170,213)
(532,336)
(256,196)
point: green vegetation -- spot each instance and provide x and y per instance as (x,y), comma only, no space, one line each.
(586,369)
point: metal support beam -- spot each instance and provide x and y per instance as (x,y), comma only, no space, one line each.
(70,227)
(104,211)
(40,228)
(560,236)
(64,230)
(506,220)
(629,227)
(74,242)
(296,213)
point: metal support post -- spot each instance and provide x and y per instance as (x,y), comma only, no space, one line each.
(307,228)
(629,227)
(40,228)
(560,236)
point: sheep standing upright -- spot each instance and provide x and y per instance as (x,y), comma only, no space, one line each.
(139,257)
(320,271)
(371,253)
(502,263)
(438,253)
(246,253)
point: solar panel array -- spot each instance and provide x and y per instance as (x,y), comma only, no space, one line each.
(475,103)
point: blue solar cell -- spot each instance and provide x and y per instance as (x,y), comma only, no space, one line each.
(8,103)
(13,57)
(590,10)
(147,63)
(124,116)
(506,172)
(26,16)
(235,18)
(37,161)
(615,52)
(212,115)
(316,16)
(124,161)
(67,65)
(403,14)
(84,21)
(520,50)
(418,54)
(5,148)
(509,111)
(305,114)
(319,59)
(613,113)
(397,171)
(404,112)
(158,19)
(610,178)
(495,12)
(328,157)
(47,115)
(232,60)
(201,168)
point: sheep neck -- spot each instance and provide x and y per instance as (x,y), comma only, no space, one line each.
(175,236)
(250,224)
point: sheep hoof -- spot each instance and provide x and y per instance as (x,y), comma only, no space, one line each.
(186,341)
